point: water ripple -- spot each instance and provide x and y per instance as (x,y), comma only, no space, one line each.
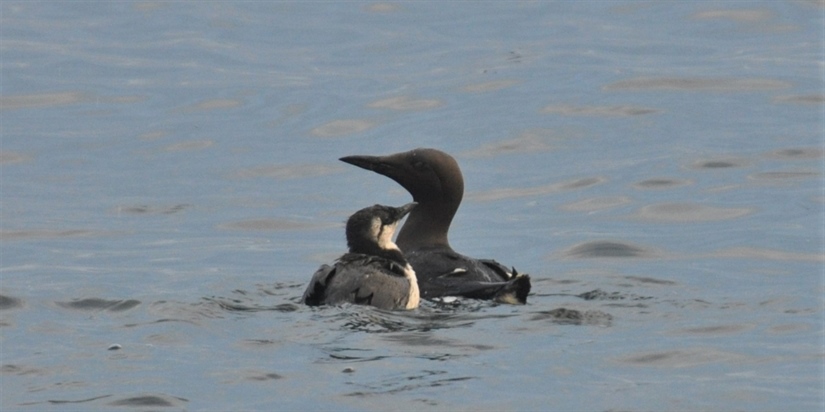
(661,183)
(596,204)
(408,382)
(287,171)
(697,84)
(719,163)
(100,304)
(337,128)
(275,225)
(608,249)
(10,302)
(598,111)
(150,401)
(682,358)
(690,212)
(527,142)
(812,99)
(510,193)
(800,153)
(8,158)
(405,103)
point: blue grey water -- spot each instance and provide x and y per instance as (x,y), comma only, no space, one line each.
(170,182)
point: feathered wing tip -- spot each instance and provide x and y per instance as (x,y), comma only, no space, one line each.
(516,290)
(317,288)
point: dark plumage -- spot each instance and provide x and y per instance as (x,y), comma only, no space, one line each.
(435,182)
(374,271)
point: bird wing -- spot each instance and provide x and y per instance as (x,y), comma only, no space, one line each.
(451,274)
(499,269)
(441,263)
(368,280)
(316,290)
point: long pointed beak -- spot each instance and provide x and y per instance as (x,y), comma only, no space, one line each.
(365,162)
(391,166)
(404,210)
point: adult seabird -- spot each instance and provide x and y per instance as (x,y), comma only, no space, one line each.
(374,271)
(434,180)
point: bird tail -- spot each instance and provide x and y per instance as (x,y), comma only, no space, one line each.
(515,291)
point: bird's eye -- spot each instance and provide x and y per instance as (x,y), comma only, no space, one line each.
(420,166)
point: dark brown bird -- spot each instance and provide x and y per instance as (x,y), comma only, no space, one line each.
(435,182)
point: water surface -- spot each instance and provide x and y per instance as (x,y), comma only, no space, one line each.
(170,182)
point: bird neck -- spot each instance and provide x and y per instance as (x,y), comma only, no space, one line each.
(427,226)
(372,249)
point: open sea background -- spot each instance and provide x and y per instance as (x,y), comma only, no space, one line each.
(169,183)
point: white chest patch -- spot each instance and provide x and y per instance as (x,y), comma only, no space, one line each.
(383,234)
(414,297)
